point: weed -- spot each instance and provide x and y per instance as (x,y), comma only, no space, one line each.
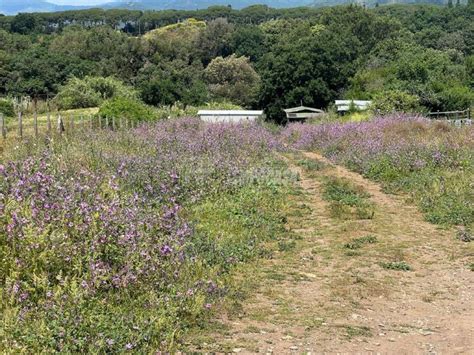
(396,265)
(347,200)
(353,331)
(465,235)
(311,165)
(360,242)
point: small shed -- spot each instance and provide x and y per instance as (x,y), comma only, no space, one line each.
(302,113)
(230,115)
(346,105)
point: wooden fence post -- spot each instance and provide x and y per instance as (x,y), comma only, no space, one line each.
(35,122)
(20,125)
(90,121)
(106,122)
(121,123)
(100,122)
(113,123)
(49,123)
(60,124)
(2,127)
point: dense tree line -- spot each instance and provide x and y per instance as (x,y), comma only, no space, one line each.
(256,57)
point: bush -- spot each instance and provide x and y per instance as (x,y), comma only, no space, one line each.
(454,98)
(7,108)
(121,107)
(395,101)
(91,92)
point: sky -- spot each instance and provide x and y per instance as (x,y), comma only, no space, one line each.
(79,2)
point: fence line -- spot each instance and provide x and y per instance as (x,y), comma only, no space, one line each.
(65,124)
(457,118)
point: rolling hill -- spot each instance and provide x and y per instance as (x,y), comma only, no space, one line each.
(11,7)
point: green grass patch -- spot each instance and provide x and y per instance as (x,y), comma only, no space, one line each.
(311,165)
(396,265)
(347,201)
(358,243)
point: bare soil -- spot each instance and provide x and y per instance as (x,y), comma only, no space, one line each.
(325,298)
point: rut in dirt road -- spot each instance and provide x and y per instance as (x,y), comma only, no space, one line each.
(388,282)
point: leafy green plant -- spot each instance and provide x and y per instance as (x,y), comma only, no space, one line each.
(7,108)
(91,92)
(395,101)
(121,107)
(358,243)
(347,200)
(396,265)
(311,164)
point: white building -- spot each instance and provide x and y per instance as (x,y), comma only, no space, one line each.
(346,105)
(230,115)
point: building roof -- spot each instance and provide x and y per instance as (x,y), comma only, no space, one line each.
(355,102)
(345,105)
(230,112)
(302,109)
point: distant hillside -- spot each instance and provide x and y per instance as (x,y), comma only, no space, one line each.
(202,4)
(11,7)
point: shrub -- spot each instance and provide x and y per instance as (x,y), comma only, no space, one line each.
(121,107)
(7,108)
(395,101)
(91,92)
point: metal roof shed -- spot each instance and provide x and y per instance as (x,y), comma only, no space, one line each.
(302,113)
(345,105)
(230,115)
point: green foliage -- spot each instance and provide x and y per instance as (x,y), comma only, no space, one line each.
(7,108)
(347,200)
(170,82)
(395,101)
(24,23)
(91,92)
(311,164)
(396,265)
(233,78)
(358,243)
(132,109)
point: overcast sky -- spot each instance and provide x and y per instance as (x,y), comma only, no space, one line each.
(79,2)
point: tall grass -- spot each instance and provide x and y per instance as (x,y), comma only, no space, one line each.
(432,161)
(116,241)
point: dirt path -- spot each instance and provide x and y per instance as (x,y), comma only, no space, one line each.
(327,298)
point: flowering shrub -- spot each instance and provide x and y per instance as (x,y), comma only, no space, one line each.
(105,240)
(432,160)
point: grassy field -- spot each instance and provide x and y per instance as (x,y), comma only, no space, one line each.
(431,161)
(139,240)
(29,130)
(114,241)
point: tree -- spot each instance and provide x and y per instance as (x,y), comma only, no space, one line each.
(215,40)
(233,78)
(169,82)
(248,41)
(24,23)
(395,101)
(450,3)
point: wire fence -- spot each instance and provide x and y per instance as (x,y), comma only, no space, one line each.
(458,118)
(59,123)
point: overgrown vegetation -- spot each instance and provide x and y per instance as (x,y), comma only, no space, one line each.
(347,200)
(116,241)
(410,58)
(432,161)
